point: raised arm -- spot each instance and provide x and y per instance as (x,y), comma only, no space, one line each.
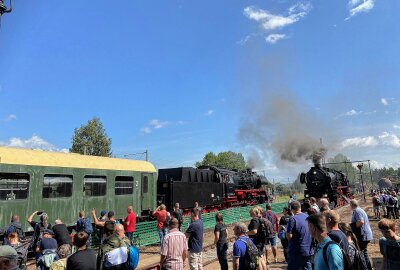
(30,218)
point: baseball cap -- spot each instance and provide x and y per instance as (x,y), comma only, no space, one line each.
(8,252)
(48,231)
(103,213)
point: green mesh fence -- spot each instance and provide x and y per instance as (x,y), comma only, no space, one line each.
(146,232)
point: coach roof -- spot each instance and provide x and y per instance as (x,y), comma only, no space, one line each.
(22,156)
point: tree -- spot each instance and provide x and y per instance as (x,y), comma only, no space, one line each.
(91,139)
(228,160)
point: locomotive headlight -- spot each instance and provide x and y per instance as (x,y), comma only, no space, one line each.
(314,172)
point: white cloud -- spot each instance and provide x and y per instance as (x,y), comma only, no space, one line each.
(384,101)
(146,130)
(210,112)
(357,6)
(385,139)
(158,124)
(244,40)
(274,38)
(352,112)
(396,126)
(35,142)
(269,21)
(11,117)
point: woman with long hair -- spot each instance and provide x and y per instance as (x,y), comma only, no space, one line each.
(283,222)
(354,248)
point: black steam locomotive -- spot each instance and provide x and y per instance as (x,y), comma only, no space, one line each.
(210,186)
(325,182)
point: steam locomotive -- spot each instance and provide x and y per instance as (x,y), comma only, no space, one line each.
(211,187)
(325,182)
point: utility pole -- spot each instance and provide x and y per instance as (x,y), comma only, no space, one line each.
(359,166)
(147,154)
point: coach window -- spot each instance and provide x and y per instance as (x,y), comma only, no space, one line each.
(145,184)
(57,186)
(14,186)
(123,185)
(95,185)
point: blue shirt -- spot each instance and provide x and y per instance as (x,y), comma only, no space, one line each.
(366,232)
(195,231)
(333,254)
(391,250)
(239,250)
(300,244)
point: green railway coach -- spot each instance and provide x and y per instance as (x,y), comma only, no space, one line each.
(63,184)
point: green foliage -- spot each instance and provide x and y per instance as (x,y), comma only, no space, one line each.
(228,160)
(345,167)
(91,139)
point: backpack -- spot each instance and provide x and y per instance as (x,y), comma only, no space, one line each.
(376,201)
(133,257)
(251,257)
(270,217)
(346,260)
(359,261)
(167,220)
(85,225)
(178,215)
(267,230)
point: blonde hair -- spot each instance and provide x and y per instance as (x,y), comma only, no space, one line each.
(332,215)
(387,224)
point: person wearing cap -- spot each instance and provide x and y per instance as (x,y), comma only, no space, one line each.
(15,226)
(107,225)
(39,227)
(47,242)
(8,258)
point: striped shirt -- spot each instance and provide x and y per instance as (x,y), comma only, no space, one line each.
(173,247)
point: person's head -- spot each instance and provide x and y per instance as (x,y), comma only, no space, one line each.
(316,225)
(332,218)
(254,212)
(313,200)
(286,211)
(194,214)
(353,204)
(196,204)
(108,228)
(119,230)
(268,206)
(48,233)
(323,202)
(163,207)
(177,205)
(110,215)
(260,210)
(8,258)
(58,221)
(129,209)
(15,218)
(311,211)
(103,213)
(81,214)
(239,229)
(387,227)
(80,239)
(295,206)
(44,219)
(173,224)
(219,217)
(13,238)
(64,251)
(290,197)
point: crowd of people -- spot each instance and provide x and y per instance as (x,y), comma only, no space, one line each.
(312,236)
(385,204)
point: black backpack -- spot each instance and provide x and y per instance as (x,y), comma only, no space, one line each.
(346,259)
(266,229)
(251,257)
(392,202)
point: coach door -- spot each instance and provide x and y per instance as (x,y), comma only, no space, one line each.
(146,196)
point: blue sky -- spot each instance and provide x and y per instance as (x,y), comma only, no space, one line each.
(183,78)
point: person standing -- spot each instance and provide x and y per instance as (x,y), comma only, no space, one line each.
(161,215)
(328,255)
(195,245)
(83,258)
(314,204)
(8,258)
(389,245)
(376,204)
(240,246)
(299,249)
(256,235)
(332,220)
(174,249)
(273,218)
(198,207)
(221,242)
(283,222)
(15,226)
(130,223)
(61,233)
(362,229)
(178,214)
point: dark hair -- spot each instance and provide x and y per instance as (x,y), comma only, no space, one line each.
(80,239)
(295,205)
(219,217)
(110,214)
(195,212)
(346,229)
(287,209)
(173,223)
(311,211)
(268,206)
